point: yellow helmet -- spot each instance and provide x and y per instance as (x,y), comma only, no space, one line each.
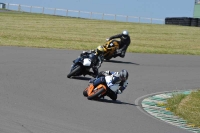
(100,50)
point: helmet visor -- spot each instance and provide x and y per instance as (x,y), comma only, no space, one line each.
(123,78)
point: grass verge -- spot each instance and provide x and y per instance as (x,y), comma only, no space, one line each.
(39,30)
(186,106)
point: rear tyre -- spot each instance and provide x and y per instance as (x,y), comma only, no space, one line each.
(78,68)
(96,94)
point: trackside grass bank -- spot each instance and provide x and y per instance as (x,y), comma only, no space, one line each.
(186,106)
(39,30)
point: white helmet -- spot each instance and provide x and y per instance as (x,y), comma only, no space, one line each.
(124,34)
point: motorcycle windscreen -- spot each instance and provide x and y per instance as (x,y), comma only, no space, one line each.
(114,87)
(86,62)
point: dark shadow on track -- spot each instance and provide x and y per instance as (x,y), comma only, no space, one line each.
(115,61)
(115,102)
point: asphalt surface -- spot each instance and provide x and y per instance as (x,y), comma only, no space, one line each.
(37,97)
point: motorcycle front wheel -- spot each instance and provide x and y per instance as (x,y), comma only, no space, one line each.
(77,69)
(85,92)
(96,94)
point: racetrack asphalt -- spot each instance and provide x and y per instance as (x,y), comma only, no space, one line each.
(37,97)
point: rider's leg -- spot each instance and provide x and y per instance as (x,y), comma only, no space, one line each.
(122,54)
(99,81)
(95,70)
(123,51)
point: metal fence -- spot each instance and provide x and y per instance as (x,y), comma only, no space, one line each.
(82,14)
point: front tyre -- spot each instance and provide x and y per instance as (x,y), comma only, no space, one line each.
(77,69)
(85,92)
(96,94)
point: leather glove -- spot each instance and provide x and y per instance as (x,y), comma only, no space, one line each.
(120,90)
(93,51)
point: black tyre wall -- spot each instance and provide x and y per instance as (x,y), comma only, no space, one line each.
(184,21)
(194,22)
(198,23)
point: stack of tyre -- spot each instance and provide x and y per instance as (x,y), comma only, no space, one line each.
(184,21)
(198,25)
(194,22)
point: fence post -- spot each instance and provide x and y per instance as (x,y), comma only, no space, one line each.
(91,15)
(8,6)
(126,18)
(30,9)
(55,11)
(43,10)
(102,16)
(67,13)
(115,17)
(151,20)
(79,13)
(19,8)
(139,19)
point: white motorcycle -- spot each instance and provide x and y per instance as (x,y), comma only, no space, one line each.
(81,66)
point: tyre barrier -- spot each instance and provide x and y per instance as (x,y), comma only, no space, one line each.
(194,22)
(184,21)
(198,23)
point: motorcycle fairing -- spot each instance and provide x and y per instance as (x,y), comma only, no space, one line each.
(113,86)
(91,90)
(87,62)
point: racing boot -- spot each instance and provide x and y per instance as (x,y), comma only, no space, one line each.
(122,54)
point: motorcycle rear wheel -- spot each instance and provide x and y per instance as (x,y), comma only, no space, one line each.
(78,68)
(96,94)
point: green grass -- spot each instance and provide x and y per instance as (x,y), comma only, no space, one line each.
(186,106)
(38,30)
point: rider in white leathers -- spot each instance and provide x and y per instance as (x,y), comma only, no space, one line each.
(115,81)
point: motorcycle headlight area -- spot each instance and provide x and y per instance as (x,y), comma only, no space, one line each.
(111,44)
(86,62)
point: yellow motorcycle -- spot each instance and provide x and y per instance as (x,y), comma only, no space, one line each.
(110,49)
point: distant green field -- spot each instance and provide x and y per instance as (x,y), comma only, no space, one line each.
(39,30)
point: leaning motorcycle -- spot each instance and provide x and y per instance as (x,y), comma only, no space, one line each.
(81,66)
(110,49)
(101,90)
